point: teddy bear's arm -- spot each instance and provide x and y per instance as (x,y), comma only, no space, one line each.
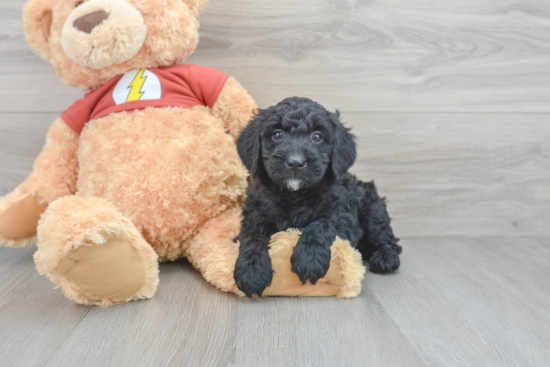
(234,106)
(54,175)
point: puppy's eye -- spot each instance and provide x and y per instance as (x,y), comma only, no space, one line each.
(277,135)
(317,137)
(79,3)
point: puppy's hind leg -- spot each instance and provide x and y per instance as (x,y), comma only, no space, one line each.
(378,244)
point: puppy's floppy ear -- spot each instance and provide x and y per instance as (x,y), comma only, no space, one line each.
(37,17)
(249,144)
(343,150)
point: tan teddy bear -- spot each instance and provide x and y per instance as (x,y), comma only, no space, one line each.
(144,167)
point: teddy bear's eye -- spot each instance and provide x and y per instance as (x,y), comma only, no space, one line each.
(79,3)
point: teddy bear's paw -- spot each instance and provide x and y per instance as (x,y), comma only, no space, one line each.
(95,254)
(343,278)
(103,274)
(19,215)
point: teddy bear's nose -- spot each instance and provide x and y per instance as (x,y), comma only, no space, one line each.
(88,22)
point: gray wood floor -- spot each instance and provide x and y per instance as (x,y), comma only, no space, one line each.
(450,101)
(455,302)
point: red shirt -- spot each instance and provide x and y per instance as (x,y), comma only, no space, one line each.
(171,86)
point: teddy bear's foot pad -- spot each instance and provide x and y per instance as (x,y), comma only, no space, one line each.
(111,271)
(19,221)
(342,280)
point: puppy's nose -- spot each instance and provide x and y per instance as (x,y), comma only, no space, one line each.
(296,162)
(88,22)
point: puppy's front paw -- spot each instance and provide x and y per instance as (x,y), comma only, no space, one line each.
(310,261)
(385,260)
(253,273)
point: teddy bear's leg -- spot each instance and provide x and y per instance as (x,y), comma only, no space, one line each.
(343,279)
(214,253)
(54,175)
(94,253)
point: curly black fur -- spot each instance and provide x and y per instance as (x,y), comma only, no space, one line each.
(299,155)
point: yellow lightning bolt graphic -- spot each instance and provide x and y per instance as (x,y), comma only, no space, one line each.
(136,85)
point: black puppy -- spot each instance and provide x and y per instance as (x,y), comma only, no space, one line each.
(299,154)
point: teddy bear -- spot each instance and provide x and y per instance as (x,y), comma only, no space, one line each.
(144,168)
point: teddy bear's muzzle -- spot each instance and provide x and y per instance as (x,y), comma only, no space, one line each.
(101,33)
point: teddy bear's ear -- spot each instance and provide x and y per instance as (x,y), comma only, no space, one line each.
(195,5)
(37,18)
